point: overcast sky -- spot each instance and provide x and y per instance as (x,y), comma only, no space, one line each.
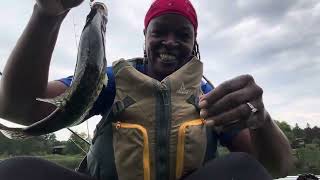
(278,42)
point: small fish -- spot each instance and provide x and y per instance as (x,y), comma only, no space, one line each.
(89,78)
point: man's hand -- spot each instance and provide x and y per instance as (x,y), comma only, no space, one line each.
(56,7)
(228,104)
(227,107)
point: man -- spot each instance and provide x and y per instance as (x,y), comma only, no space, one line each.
(171,57)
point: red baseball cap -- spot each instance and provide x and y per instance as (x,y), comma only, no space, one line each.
(181,7)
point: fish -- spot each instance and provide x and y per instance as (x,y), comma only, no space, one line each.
(73,106)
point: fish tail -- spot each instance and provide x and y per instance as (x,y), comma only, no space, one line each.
(13,133)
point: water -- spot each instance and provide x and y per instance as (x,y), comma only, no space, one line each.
(289,178)
(292,178)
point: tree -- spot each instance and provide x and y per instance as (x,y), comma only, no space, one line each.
(51,139)
(315,132)
(298,132)
(32,146)
(308,134)
(286,129)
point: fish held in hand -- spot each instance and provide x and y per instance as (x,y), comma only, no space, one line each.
(89,78)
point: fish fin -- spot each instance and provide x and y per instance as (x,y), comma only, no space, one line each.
(105,80)
(57,101)
(13,133)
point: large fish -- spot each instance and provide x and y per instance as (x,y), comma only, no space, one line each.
(89,78)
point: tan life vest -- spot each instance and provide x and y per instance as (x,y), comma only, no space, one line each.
(157,130)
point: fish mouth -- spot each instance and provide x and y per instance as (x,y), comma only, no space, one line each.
(167,58)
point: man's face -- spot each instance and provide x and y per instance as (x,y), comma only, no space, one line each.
(169,43)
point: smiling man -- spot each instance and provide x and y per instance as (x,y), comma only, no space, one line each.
(165,121)
(170,39)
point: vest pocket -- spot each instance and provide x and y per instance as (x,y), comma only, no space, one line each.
(191,148)
(131,149)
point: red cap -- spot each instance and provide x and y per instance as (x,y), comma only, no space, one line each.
(182,7)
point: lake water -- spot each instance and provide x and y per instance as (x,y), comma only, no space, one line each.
(291,178)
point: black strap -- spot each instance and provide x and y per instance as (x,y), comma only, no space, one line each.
(119,106)
(194,100)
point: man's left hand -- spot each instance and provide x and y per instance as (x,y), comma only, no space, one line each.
(229,103)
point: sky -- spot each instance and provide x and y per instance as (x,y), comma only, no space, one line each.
(278,42)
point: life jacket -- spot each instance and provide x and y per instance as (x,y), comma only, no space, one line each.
(154,130)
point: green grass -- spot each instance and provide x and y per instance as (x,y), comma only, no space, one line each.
(68,161)
(307,159)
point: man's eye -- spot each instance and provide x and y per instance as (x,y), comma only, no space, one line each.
(156,33)
(184,35)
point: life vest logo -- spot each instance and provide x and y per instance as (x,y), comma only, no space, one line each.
(183,90)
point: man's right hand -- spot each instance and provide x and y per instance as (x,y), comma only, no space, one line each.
(56,7)
(25,75)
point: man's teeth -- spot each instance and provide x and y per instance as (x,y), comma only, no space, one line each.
(167,57)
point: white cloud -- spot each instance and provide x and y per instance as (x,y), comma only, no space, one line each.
(301,110)
(276,41)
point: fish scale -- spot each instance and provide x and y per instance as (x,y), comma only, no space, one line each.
(74,104)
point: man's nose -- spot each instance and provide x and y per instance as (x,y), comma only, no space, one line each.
(170,40)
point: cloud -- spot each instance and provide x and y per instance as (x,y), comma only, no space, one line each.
(276,41)
(301,114)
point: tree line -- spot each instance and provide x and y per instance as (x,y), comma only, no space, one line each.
(300,135)
(41,145)
(306,147)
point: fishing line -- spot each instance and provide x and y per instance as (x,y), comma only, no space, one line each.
(74,31)
(78,146)
(87,142)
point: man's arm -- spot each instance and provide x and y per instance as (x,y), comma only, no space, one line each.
(269,145)
(239,101)
(25,76)
(272,148)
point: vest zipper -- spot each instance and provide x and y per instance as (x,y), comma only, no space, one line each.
(163,117)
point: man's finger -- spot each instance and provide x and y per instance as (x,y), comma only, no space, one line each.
(236,124)
(228,87)
(234,99)
(241,113)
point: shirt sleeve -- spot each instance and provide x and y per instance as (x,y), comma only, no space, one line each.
(66,81)
(106,97)
(225,138)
